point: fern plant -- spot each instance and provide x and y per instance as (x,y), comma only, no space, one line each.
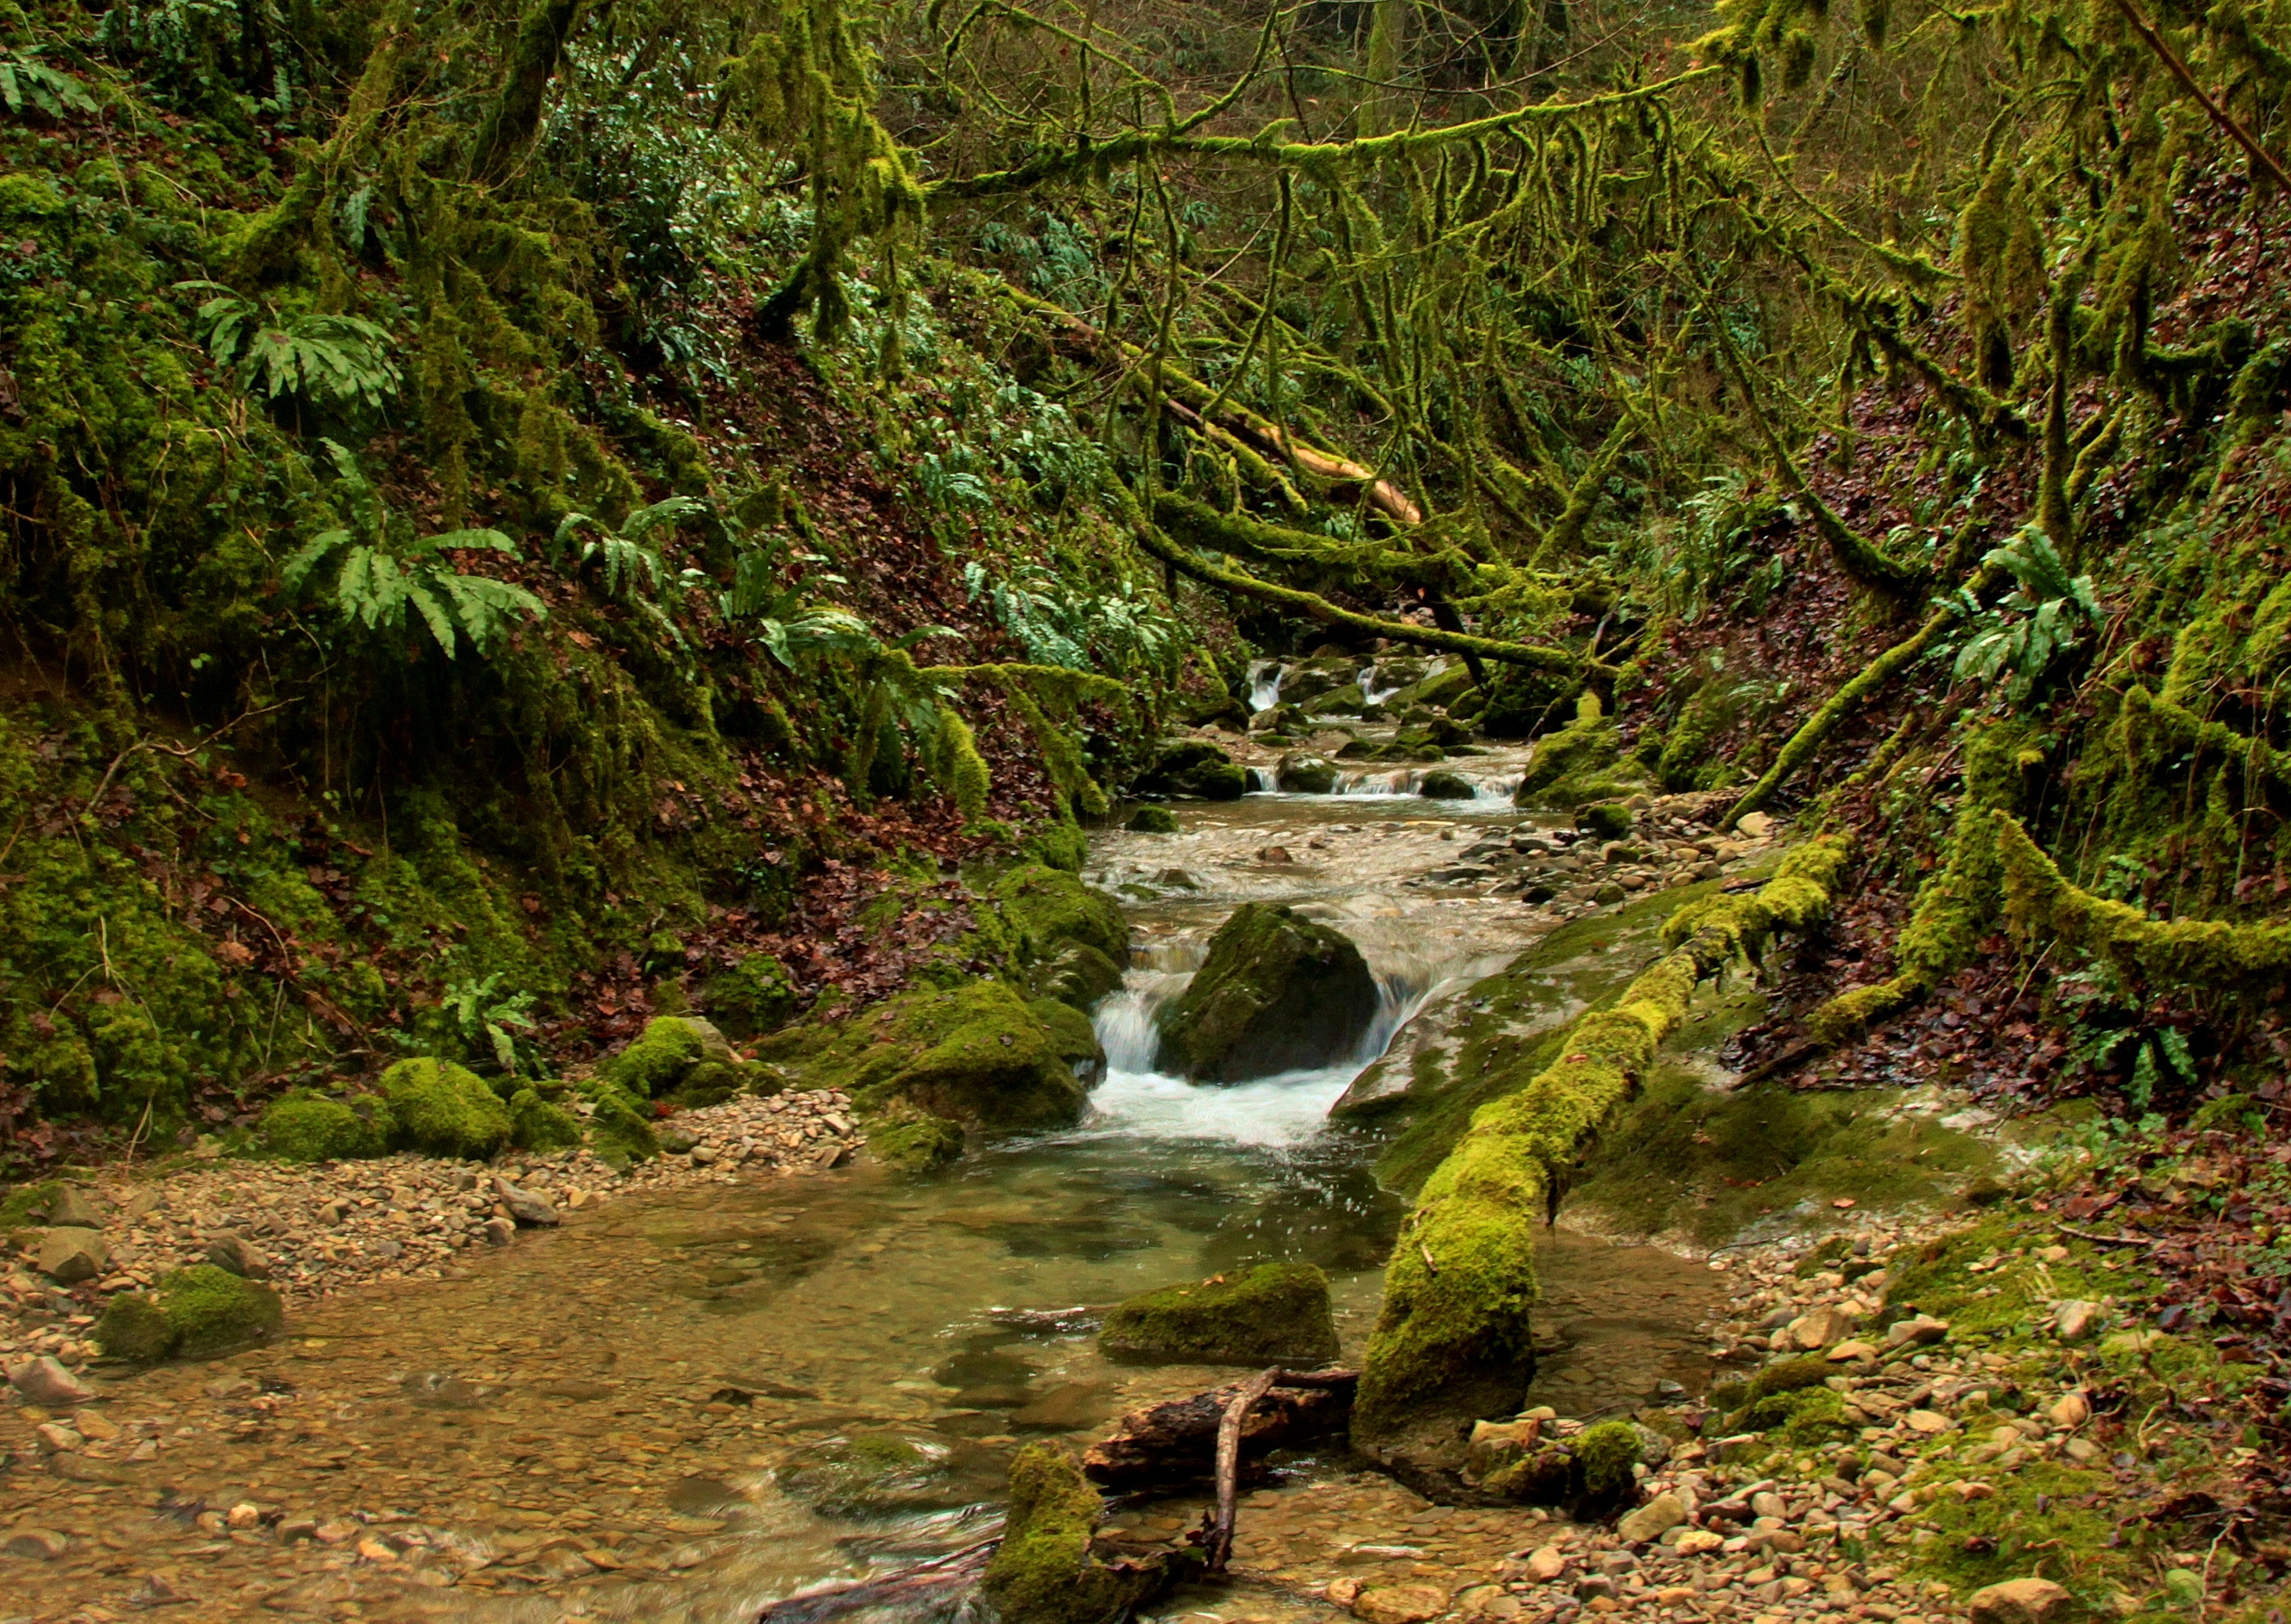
(488,1020)
(326,359)
(633,571)
(376,574)
(28,82)
(2035,624)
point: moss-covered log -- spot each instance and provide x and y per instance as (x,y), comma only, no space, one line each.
(1452,1342)
(1314,606)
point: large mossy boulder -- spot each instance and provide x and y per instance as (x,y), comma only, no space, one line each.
(980,1056)
(619,1129)
(754,996)
(301,1126)
(1278,993)
(1047,908)
(1275,1313)
(1045,1571)
(443,1110)
(1303,773)
(1577,765)
(538,1124)
(1198,769)
(195,1314)
(672,1055)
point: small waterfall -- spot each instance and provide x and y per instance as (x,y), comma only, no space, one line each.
(1260,781)
(1263,685)
(1387,783)
(1124,1019)
(1372,692)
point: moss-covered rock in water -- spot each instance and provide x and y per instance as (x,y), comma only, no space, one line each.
(619,1130)
(535,1124)
(1576,765)
(1275,1313)
(1198,769)
(443,1110)
(1044,1572)
(1346,700)
(1303,774)
(1276,993)
(887,1474)
(1047,908)
(1446,786)
(914,1141)
(754,996)
(305,1126)
(1152,820)
(198,1313)
(1078,975)
(664,1055)
(980,1056)
(1605,1455)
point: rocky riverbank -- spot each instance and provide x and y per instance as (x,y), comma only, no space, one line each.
(310,1231)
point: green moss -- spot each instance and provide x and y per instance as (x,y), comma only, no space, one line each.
(1043,1572)
(914,1141)
(1277,991)
(535,1124)
(1446,786)
(1198,769)
(878,1474)
(1078,975)
(28,1203)
(657,1062)
(1152,820)
(1275,1313)
(210,1311)
(1452,1338)
(1568,762)
(754,996)
(1607,820)
(305,1126)
(1047,908)
(443,1110)
(134,1328)
(1605,1454)
(619,1128)
(979,1055)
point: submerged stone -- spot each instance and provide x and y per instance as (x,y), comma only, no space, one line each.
(1446,786)
(1275,1313)
(1278,992)
(886,1474)
(196,1314)
(1152,820)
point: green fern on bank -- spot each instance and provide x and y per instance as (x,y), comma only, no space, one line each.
(28,82)
(373,578)
(327,360)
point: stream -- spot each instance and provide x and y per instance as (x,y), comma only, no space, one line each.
(653,1413)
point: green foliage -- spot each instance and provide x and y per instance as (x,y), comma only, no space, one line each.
(28,82)
(494,1027)
(2036,624)
(379,577)
(324,359)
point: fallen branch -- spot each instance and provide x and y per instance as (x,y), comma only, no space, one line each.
(1319,608)
(1228,1464)
(1178,1441)
(2218,114)
(905,1589)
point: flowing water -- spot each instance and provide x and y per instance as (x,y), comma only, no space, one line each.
(669,1387)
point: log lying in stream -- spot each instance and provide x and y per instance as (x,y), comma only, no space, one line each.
(941,1586)
(1174,1443)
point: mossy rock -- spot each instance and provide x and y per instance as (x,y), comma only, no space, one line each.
(978,1054)
(1049,907)
(1152,820)
(1078,975)
(1277,993)
(535,1124)
(1346,700)
(914,1141)
(1303,774)
(711,1082)
(1196,769)
(1567,763)
(198,1313)
(867,1475)
(1606,820)
(1521,703)
(443,1110)
(1605,1455)
(1218,710)
(619,1130)
(1436,691)
(1275,1313)
(664,1055)
(1447,786)
(753,997)
(306,1126)
(1057,843)
(1045,1571)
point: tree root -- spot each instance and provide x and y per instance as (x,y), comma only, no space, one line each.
(1454,1330)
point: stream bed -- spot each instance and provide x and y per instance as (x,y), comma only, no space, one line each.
(653,1413)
